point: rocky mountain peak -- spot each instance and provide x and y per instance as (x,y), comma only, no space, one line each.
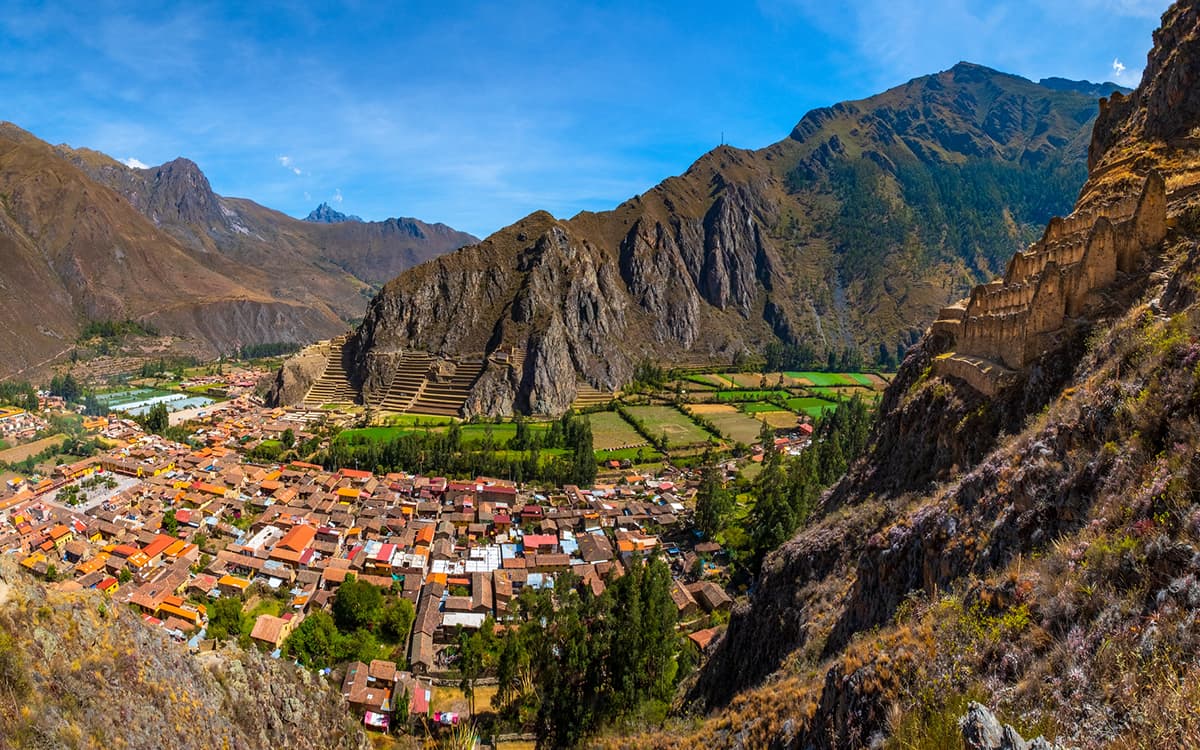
(178,191)
(327,214)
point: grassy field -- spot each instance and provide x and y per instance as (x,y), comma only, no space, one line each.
(824,378)
(779,420)
(416,420)
(813,407)
(610,432)
(680,430)
(757,407)
(748,395)
(501,433)
(472,434)
(649,455)
(732,423)
(22,452)
(373,434)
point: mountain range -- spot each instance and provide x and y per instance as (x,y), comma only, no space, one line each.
(84,238)
(1019,535)
(847,236)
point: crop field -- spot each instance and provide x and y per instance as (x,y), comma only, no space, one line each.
(813,407)
(611,432)
(472,434)
(731,422)
(824,379)
(779,420)
(648,455)
(758,407)
(22,452)
(416,420)
(720,381)
(680,430)
(501,433)
(710,408)
(748,395)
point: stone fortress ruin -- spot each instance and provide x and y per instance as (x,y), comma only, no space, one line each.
(1008,323)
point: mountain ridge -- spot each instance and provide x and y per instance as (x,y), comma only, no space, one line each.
(746,248)
(1031,544)
(85,237)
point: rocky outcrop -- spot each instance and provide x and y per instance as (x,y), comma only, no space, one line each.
(296,376)
(981,730)
(745,249)
(80,670)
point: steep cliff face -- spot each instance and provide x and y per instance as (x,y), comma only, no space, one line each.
(843,236)
(1030,547)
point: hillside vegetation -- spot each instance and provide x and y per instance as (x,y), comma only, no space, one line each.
(1035,550)
(79,671)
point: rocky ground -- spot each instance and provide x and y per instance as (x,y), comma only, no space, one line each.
(78,671)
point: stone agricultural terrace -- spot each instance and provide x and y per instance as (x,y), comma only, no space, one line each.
(1006,324)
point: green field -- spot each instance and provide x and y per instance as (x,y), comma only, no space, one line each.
(417,420)
(827,378)
(813,407)
(365,435)
(610,432)
(727,397)
(756,407)
(680,430)
(472,434)
(501,433)
(649,455)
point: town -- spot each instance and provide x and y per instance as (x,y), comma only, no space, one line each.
(178,531)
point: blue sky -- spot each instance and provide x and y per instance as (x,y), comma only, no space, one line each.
(476,114)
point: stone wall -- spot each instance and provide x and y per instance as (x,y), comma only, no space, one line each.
(1008,321)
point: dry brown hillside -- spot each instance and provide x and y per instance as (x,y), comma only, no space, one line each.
(79,671)
(85,238)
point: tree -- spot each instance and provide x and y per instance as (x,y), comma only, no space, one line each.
(288,438)
(169,524)
(314,641)
(713,502)
(124,576)
(225,618)
(356,605)
(470,663)
(396,620)
(157,419)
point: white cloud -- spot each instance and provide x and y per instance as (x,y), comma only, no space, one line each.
(1118,67)
(337,196)
(288,163)
(135,163)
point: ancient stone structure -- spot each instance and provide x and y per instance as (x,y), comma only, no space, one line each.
(1006,324)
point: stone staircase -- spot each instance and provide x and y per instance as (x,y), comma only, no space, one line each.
(587,396)
(445,397)
(333,387)
(407,383)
